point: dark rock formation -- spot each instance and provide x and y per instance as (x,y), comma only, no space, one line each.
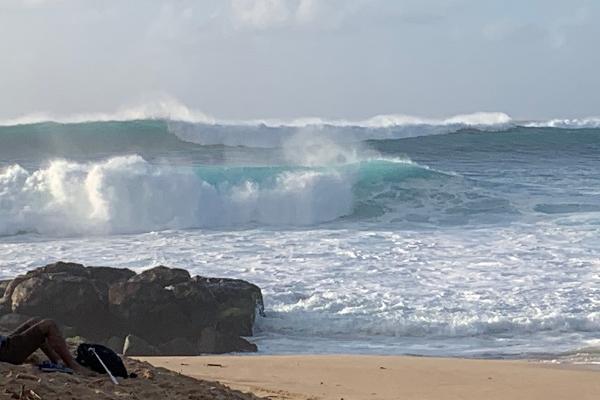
(181,347)
(10,322)
(163,276)
(160,311)
(213,341)
(3,286)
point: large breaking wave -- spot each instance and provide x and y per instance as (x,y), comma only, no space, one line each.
(127,194)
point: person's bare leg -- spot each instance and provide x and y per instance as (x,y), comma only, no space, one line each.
(56,342)
(51,354)
(46,349)
(24,326)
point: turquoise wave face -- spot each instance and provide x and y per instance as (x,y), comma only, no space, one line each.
(238,175)
(391,186)
(400,189)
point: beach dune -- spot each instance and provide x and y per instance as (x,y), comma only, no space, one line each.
(347,377)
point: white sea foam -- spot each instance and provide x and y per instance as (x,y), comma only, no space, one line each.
(127,194)
(576,123)
(165,107)
(445,291)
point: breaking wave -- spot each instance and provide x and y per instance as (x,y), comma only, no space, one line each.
(127,194)
(581,123)
(170,109)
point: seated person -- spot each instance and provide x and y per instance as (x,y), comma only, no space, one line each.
(32,335)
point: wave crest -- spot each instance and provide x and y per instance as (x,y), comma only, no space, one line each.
(581,123)
(170,109)
(164,108)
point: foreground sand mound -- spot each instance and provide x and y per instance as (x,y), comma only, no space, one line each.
(26,382)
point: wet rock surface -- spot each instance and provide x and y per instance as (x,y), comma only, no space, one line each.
(163,310)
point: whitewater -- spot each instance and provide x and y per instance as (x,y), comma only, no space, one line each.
(475,235)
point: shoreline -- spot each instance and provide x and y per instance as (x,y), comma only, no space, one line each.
(333,377)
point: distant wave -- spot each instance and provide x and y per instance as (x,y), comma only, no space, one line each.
(200,128)
(275,133)
(170,109)
(163,109)
(582,123)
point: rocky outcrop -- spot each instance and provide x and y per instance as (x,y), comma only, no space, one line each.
(3,286)
(214,341)
(161,310)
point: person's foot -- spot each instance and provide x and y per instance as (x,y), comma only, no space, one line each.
(49,366)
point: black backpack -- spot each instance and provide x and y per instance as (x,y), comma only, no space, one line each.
(113,362)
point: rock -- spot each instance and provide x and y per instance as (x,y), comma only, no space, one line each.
(197,303)
(61,267)
(178,347)
(149,311)
(238,303)
(3,286)
(185,308)
(101,277)
(70,299)
(165,308)
(163,276)
(215,342)
(10,322)
(135,346)
(6,301)
(110,275)
(116,344)
(70,331)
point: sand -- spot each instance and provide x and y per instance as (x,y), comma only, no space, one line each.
(26,382)
(389,377)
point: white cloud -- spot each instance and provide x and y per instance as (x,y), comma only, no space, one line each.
(307,10)
(270,14)
(36,3)
(244,59)
(261,14)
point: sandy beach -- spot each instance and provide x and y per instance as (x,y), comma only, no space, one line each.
(389,377)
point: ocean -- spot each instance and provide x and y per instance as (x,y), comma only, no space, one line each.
(474,236)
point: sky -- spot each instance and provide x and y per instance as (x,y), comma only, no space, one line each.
(351,59)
